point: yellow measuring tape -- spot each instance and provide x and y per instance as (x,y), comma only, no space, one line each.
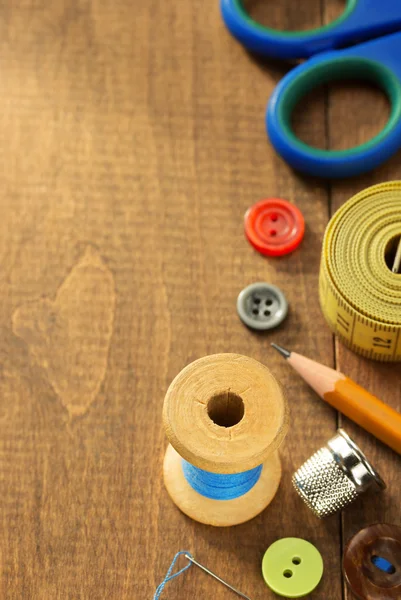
(359,293)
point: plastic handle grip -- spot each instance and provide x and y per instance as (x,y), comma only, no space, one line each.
(361,20)
(372,61)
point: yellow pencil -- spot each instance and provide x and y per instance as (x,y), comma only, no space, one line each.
(349,398)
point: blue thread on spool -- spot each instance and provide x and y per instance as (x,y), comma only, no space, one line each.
(225,414)
(217,486)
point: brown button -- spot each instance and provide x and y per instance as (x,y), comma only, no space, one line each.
(372,563)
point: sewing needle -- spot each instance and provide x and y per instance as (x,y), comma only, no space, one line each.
(216,577)
(397,259)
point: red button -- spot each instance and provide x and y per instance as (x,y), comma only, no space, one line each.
(274,227)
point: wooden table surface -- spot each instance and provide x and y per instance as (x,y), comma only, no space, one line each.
(132,142)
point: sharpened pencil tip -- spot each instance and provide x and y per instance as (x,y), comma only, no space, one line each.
(281,350)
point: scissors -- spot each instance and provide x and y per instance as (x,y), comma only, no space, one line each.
(363,43)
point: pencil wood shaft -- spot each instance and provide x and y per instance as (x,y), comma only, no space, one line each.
(351,399)
(367,411)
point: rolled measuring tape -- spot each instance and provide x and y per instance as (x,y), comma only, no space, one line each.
(360,295)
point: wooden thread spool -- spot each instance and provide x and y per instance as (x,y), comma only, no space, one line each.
(226,414)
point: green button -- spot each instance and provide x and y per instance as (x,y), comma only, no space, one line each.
(292,567)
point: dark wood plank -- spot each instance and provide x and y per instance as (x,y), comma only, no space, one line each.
(132,142)
(356,112)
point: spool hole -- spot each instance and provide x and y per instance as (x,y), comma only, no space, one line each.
(226,409)
(390,252)
(287,573)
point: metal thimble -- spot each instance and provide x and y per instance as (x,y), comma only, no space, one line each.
(335,476)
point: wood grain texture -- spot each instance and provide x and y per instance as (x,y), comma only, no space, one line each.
(131,143)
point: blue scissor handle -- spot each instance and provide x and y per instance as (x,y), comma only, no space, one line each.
(377,61)
(361,20)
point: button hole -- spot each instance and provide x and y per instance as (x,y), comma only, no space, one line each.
(267,313)
(274,217)
(255,311)
(287,573)
(256,300)
(273,232)
(383,564)
(296,560)
(269,302)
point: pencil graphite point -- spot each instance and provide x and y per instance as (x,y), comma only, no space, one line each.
(281,350)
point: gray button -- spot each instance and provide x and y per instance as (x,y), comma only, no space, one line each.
(262,306)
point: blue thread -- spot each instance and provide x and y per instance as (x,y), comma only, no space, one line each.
(218,486)
(168,576)
(383,564)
